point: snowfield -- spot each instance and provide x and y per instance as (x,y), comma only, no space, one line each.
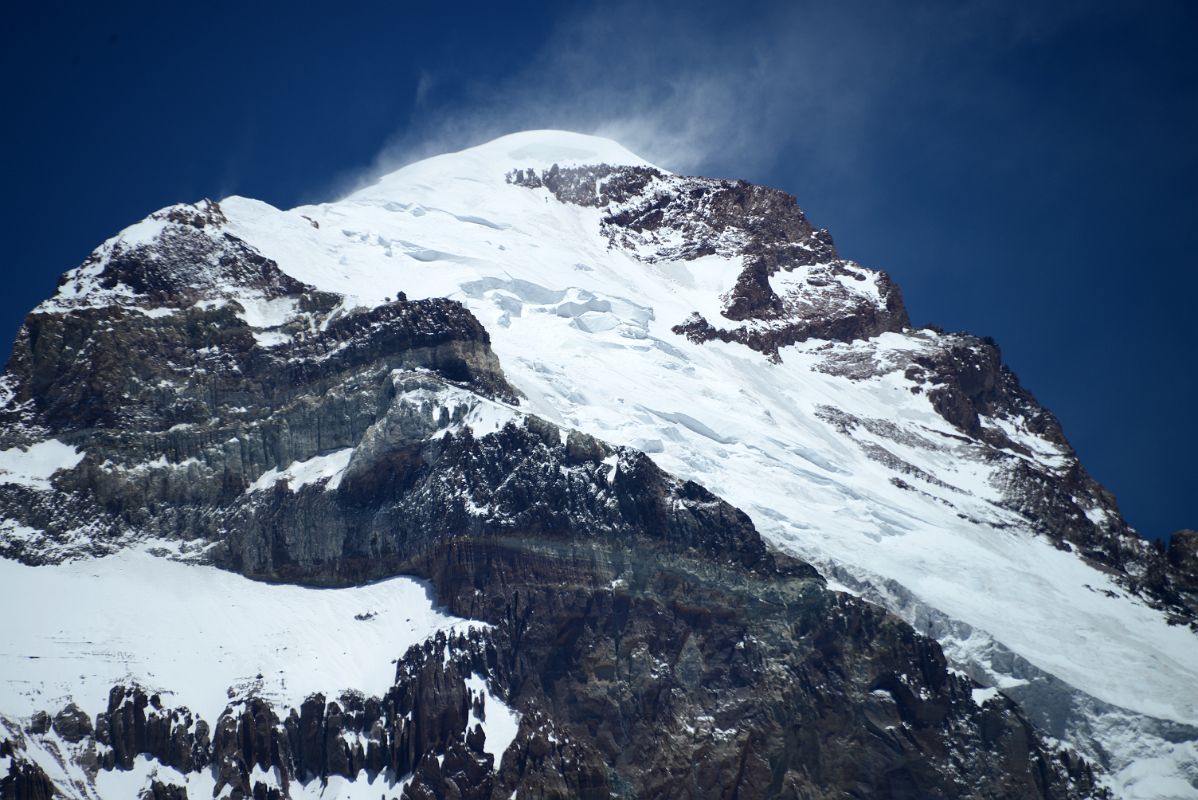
(194,632)
(33,466)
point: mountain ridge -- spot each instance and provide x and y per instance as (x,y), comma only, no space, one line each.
(515,244)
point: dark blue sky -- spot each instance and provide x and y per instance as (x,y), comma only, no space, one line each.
(1024,170)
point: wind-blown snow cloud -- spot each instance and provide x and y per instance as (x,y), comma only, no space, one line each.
(708,89)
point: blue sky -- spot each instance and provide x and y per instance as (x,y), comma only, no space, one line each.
(1024,170)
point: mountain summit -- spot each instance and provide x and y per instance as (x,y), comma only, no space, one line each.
(615,482)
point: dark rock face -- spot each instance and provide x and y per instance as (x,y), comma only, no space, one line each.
(724,217)
(793,286)
(967,379)
(24,780)
(405,497)
(1181,575)
(201,363)
(164,791)
(1183,551)
(698,677)
(181,406)
(190,259)
(137,724)
(72,724)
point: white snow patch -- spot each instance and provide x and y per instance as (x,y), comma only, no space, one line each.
(155,313)
(262,312)
(328,467)
(193,631)
(33,466)
(462,408)
(980,696)
(130,783)
(612,463)
(501,724)
(271,338)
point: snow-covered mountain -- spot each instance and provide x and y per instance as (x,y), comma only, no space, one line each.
(487,343)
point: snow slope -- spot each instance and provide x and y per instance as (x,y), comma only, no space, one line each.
(193,632)
(32,466)
(583,330)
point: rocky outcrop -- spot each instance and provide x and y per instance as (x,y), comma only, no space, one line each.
(72,724)
(686,677)
(164,791)
(404,497)
(23,780)
(180,405)
(137,724)
(792,287)
(187,257)
(205,342)
(1181,574)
